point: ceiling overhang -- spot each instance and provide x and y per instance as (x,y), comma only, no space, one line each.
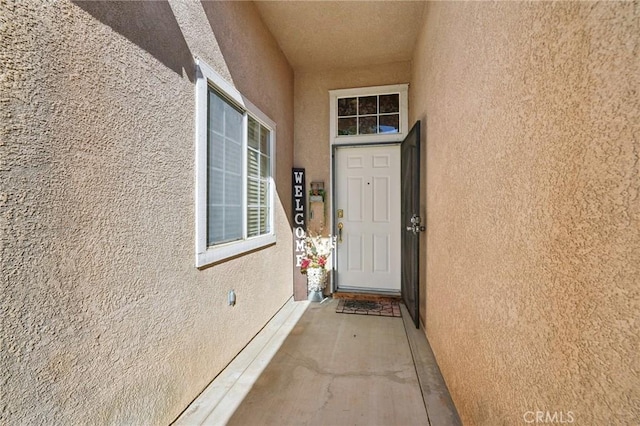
(343,34)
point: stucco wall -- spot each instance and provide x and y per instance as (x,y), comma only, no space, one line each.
(312,149)
(105,319)
(533,209)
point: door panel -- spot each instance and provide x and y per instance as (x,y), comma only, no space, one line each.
(355,251)
(411,222)
(355,194)
(381,206)
(381,253)
(368,193)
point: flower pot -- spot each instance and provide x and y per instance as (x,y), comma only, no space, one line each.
(316,278)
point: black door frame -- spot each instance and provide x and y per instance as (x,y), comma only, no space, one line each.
(410,207)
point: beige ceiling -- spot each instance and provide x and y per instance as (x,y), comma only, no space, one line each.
(340,34)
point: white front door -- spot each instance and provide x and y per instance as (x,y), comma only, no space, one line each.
(367,208)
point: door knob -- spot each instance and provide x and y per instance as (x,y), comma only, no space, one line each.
(415,226)
(340,226)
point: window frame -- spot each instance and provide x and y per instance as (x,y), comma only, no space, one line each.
(206,255)
(334,95)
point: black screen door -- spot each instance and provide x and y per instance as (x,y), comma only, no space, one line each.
(411,221)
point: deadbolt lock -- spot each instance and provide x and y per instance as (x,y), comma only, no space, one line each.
(340,213)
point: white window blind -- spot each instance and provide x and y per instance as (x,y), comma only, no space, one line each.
(258,174)
(224,177)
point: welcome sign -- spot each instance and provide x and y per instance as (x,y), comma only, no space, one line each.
(299,224)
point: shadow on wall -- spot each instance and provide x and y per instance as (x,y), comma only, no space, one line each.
(149,24)
(243,68)
(221,17)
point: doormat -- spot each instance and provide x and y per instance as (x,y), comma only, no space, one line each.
(381,308)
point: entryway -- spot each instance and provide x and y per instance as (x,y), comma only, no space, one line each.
(313,366)
(377,219)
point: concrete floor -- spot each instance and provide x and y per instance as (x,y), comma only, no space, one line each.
(329,369)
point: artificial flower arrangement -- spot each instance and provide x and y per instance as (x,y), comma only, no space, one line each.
(317,250)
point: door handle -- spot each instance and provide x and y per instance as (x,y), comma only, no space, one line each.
(340,226)
(415,226)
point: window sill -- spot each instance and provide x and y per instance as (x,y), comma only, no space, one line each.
(373,138)
(222,252)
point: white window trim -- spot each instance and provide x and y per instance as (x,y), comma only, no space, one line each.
(402,89)
(205,77)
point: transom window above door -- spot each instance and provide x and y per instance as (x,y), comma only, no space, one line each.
(366,115)
(369,114)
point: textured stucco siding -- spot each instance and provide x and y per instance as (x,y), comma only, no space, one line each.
(312,142)
(532,189)
(104,318)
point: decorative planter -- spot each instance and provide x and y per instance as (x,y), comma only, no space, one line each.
(316,278)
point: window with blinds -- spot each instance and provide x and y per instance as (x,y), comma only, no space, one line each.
(224,177)
(227,128)
(258,174)
(235,161)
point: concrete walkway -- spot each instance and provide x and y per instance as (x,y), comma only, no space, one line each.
(313,366)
